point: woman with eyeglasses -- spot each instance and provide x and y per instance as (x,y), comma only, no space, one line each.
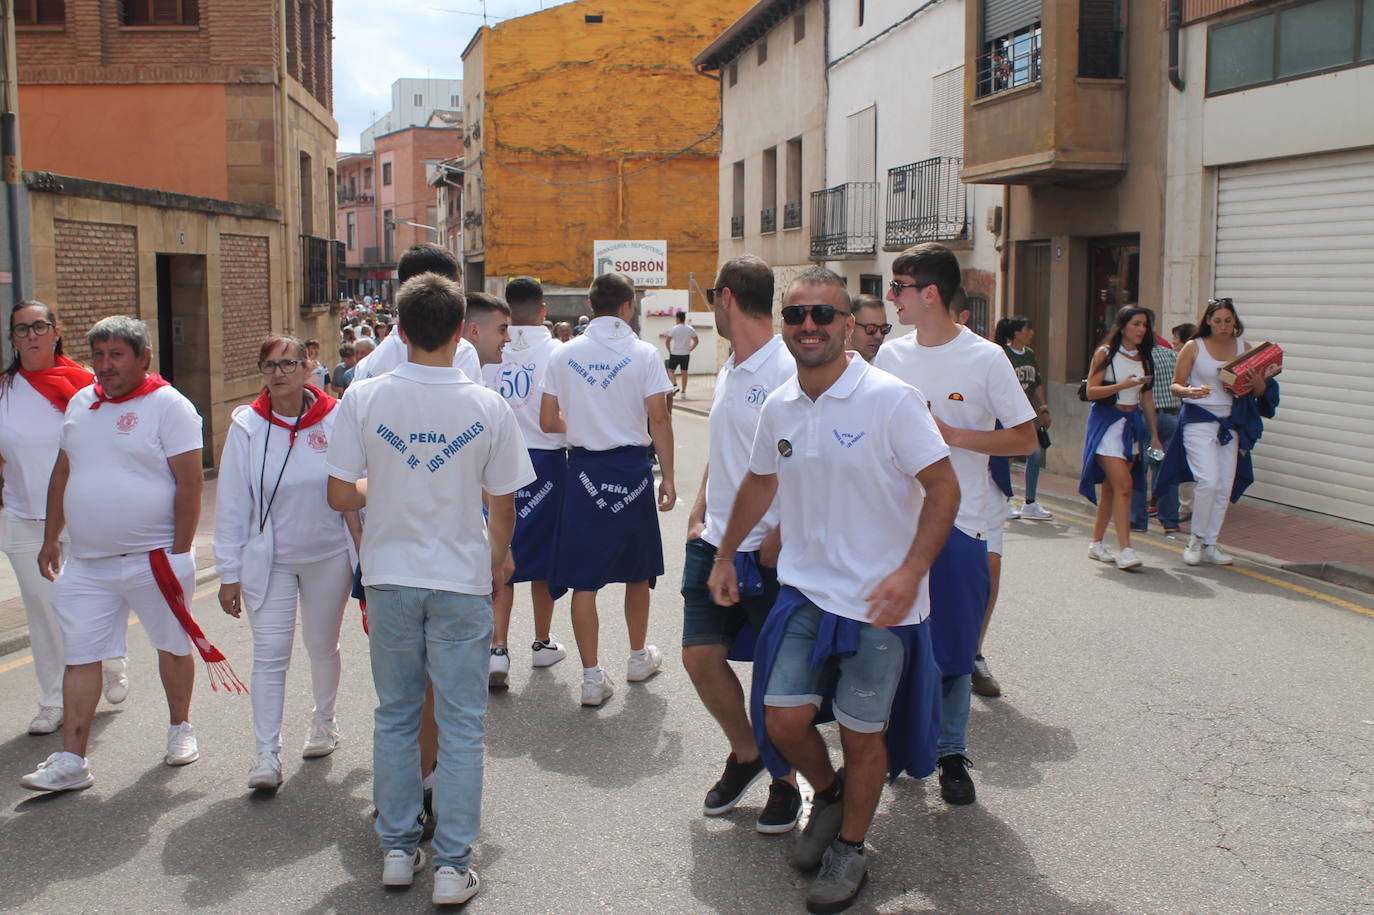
(279,544)
(34,392)
(1206,422)
(1121,424)
(1015,334)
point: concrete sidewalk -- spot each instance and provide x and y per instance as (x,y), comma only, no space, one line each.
(14,626)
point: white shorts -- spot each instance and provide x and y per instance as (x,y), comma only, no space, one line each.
(92,599)
(1110,446)
(993,534)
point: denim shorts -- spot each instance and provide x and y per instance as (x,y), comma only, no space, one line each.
(867,680)
(704,622)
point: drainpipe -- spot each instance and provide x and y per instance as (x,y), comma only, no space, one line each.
(1175,23)
(1004,258)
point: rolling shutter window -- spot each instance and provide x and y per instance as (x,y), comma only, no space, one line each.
(947,113)
(1003,17)
(863,144)
(1295,249)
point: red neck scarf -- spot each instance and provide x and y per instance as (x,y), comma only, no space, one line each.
(216,664)
(317,412)
(60,382)
(150,383)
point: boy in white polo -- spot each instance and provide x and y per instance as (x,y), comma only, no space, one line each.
(970,387)
(606,392)
(128,475)
(847,626)
(419,446)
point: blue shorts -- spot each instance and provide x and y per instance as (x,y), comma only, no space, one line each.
(959,584)
(704,622)
(865,682)
(608,531)
(537,510)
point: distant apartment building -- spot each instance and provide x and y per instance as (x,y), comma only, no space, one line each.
(179,159)
(587,122)
(1270,201)
(413,104)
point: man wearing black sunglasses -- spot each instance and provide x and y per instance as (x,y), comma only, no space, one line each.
(970,387)
(870,326)
(854,593)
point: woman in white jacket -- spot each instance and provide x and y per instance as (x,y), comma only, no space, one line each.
(278,543)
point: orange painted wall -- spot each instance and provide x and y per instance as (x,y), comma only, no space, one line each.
(571,101)
(166,137)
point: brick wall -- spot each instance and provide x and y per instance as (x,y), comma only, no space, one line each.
(97,275)
(245,298)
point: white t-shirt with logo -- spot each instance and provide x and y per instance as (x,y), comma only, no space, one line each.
(429,441)
(601,380)
(740,393)
(680,337)
(970,384)
(519,376)
(304,528)
(120,493)
(30,429)
(392,352)
(871,431)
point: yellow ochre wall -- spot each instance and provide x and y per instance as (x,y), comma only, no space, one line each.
(571,101)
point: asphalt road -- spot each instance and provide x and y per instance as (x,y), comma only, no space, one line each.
(1173,740)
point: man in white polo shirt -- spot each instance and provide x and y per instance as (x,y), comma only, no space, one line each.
(606,392)
(681,339)
(517,378)
(128,476)
(419,446)
(847,626)
(391,352)
(970,387)
(760,363)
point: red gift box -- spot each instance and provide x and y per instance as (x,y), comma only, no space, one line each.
(1265,359)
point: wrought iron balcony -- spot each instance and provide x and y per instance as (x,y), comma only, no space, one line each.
(736,226)
(1099,53)
(926,201)
(791,215)
(1011,62)
(768,221)
(844,221)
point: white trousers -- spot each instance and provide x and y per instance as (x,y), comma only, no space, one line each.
(23,538)
(321,589)
(1214,470)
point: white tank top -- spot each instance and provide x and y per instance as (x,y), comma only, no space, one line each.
(1205,370)
(1124,367)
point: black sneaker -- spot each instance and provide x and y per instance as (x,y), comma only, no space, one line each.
(783,809)
(822,828)
(956,787)
(428,821)
(734,781)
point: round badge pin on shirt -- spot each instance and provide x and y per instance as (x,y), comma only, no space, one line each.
(784,447)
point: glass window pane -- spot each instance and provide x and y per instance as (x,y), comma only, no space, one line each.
(1241,54)
(1315,36)
(1367,32)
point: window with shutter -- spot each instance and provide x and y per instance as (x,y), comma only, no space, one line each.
(863,144)
(161,12)
(1004,17)
(1099,39)
(40,12)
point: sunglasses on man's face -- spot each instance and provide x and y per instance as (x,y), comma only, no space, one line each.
(874,329)
(795,315)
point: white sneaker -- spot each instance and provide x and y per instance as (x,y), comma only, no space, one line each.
(596,692)
(498,670)
(453,887)
(266,773)
(48,720)
(59,772)
(116,681)
(1012,511)
(182,748)
(547,654)
(643,667)
(1032,511)
(1215,556)
(399,866)
(1127,559)
(1192,553)
(323,740)
(1097,550)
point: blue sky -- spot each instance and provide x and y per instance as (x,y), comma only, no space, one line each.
(376,44)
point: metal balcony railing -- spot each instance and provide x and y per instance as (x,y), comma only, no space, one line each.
(791,215)
(768,221)
(1099,53)
(1009,63)
(926,202)
(844,221)
(736,226)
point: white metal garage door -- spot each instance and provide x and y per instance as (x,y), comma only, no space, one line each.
(1295,249)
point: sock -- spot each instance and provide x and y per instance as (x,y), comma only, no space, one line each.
(640,654)
(427,782)
(1094,543)
(547,643)
(593,673)
(1030,501)
(80,759)
(857,846)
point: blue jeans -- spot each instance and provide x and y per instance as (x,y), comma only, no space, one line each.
(954,710)
(414,632)
(1033,462)
(1166,499)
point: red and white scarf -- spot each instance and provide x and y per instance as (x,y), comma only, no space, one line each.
(216,664)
